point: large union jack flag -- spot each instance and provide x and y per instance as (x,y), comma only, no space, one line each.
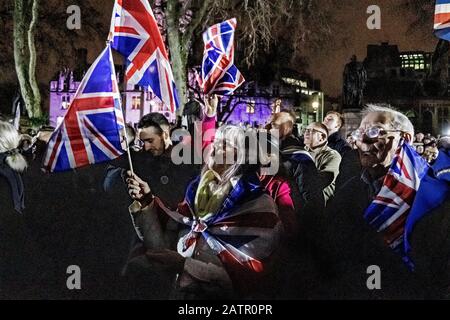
(219,74)
(390,209)
(93,125)
(135,34)
(442,19)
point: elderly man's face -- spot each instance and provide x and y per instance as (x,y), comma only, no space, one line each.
(283,123)
(379,150)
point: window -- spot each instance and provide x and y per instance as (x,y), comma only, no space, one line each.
(135,103)
(65,102)
(276,90)
(250,108)
(276,107)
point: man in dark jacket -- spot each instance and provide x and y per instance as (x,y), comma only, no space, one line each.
(334,121)
(166,179)
(354,245)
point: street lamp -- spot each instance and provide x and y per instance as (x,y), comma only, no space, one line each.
(315,106)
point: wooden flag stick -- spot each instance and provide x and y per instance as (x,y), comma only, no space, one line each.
(130,162)
(128,151)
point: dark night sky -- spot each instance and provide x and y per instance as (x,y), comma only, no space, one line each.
(351,36)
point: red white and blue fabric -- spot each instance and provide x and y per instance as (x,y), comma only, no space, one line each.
(442,19)
(135,34)
(238,239)
(92,127)
(219,74)
(402,200)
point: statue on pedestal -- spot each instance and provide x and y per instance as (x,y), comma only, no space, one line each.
(355,77)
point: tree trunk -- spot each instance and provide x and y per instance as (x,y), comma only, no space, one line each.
(178,52)
(25,56)
(37,111)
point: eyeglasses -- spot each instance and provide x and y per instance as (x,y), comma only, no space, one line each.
(312,130)
(371,133)
(274,125)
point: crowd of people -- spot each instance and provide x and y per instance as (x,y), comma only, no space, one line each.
(428,146)
(215,229)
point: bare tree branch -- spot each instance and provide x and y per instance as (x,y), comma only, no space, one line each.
(199,16)
(33,56)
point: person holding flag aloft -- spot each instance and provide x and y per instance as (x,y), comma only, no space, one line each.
(229,232)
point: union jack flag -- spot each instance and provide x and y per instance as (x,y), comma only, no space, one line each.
(241,239)
(93,125)
(390,209)
(135,34)
(219,74)
(442,19)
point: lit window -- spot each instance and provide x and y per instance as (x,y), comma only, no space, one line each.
(276,106)
(135,103)
(65,102)
(250,108)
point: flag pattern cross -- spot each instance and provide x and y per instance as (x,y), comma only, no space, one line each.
(389,211)
(135,35)
(219,75)
(244,239)
(93,125)
(442,19)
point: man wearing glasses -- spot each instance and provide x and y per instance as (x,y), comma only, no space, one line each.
(326,159)
(355,245)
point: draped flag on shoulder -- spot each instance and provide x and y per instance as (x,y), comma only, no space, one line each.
(93,125)
(442,19)
(240,238)
(135,35)
(219,74)
(402,200)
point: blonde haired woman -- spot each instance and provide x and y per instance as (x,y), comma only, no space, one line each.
(229,229)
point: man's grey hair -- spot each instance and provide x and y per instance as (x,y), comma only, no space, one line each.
(399,120)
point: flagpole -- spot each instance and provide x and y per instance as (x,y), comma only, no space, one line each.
(130,162)
(128,151)
(127,145)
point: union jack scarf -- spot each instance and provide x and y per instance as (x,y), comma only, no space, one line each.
(409,191)
(242,239)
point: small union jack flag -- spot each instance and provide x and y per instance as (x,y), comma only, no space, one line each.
(442,19)
(93,125)
(135,34)
(219,74)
